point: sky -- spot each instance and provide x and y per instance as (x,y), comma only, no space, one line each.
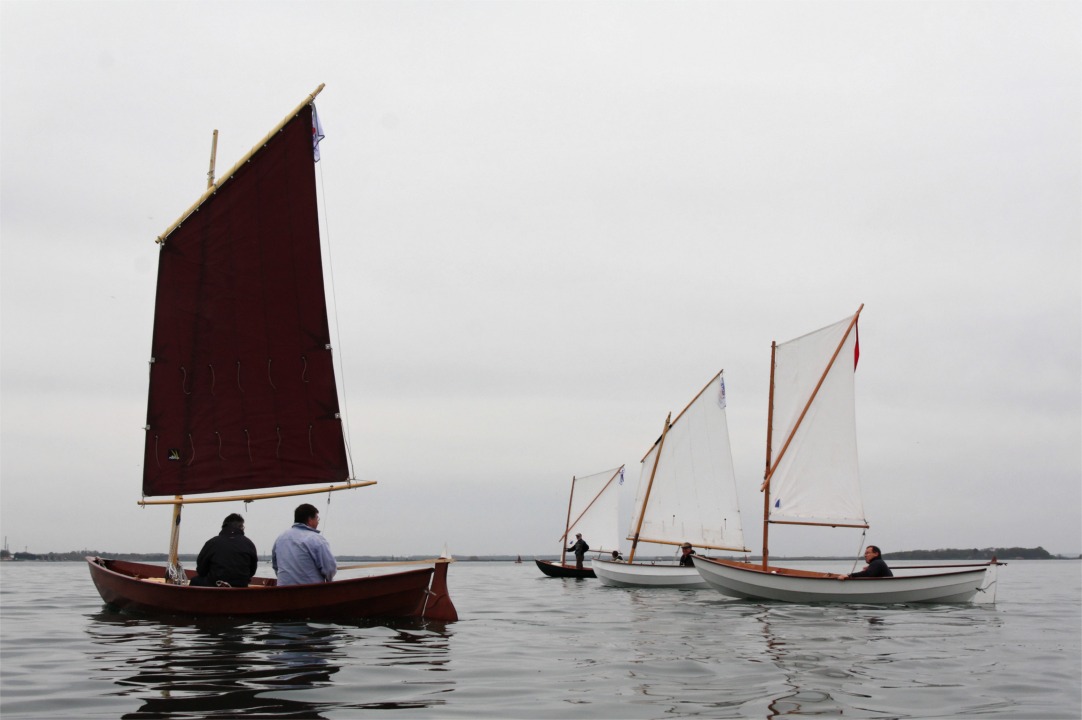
(548,225)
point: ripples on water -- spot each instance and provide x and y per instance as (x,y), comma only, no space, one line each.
(535,647)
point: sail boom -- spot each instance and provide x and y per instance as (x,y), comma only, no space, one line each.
(705,546)
(820,524)
(258,496)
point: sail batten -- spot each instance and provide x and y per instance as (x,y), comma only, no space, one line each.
(242,389)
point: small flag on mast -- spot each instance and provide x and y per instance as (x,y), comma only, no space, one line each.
(856,347)
(317,134)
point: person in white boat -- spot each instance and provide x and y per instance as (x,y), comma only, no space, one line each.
(686,551)
(228,559)
(876,567)
(579,548)
(616,556)
(301,556)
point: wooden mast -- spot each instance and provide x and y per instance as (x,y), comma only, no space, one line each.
(766,471)
(567,527)
(649,487)
(213,155)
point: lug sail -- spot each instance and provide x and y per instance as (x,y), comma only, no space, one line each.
(242,388)
(693,495)
(595,510)
(813,431)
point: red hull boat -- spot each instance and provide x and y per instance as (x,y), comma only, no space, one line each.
(141,588)
(242,392)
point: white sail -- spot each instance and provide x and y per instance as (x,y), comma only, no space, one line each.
(693,495)
(816,480)
(595,510)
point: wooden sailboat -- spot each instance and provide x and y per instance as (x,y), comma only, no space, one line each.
(811,478)
(593,510)
(687,493)
(242,389)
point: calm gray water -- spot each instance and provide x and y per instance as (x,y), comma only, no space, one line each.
(528,646)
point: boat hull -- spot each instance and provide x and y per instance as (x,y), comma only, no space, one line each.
(619,574)
(743,580)
(554,569)
(140,588)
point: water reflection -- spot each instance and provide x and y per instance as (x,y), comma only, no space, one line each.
(838,660)
(271,669)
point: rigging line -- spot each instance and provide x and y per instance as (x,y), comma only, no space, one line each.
(863,537)
(337,326)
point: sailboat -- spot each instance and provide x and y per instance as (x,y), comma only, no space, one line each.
(812,478)
(593,510)
(242,393)
(687,493)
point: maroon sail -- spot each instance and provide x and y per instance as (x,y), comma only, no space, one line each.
(242,389)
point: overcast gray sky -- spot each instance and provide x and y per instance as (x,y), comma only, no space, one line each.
(551,223)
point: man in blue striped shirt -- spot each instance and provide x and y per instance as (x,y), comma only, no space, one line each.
(301,556)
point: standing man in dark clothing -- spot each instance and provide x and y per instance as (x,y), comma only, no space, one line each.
(686,551)
(876,567)
(227,560)
(580,547)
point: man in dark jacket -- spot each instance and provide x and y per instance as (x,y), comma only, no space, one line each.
(876,567)
(227,560)
(580,547)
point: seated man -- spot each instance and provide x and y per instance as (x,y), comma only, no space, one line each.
(876,567)
(301,556)
(227,560)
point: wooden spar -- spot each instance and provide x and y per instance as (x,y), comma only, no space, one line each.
(766,471)
(567,528)
(649,486)
(174,542)
(395,563)
(213,155)
(179,500)
(811,399)
(697,395)
(699,545)
(819,524)
(592,501)
(225,178)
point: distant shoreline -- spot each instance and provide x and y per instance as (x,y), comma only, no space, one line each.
(1004,554)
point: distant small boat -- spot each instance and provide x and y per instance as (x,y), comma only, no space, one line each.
(242,389)
(593,510)
(518,560)
(687,493)
(811,478)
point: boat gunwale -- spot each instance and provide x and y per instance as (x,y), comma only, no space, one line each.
(820,575)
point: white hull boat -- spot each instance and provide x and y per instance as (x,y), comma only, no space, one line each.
(743,580)
(620,574)
(812,479)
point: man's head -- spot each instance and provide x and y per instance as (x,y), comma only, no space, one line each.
(234,521)
(305,514)
(871,552)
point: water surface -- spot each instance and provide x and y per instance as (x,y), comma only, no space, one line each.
(529,646)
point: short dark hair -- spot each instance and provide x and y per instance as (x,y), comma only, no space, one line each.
(876,550)
(233,520)
(304,512)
